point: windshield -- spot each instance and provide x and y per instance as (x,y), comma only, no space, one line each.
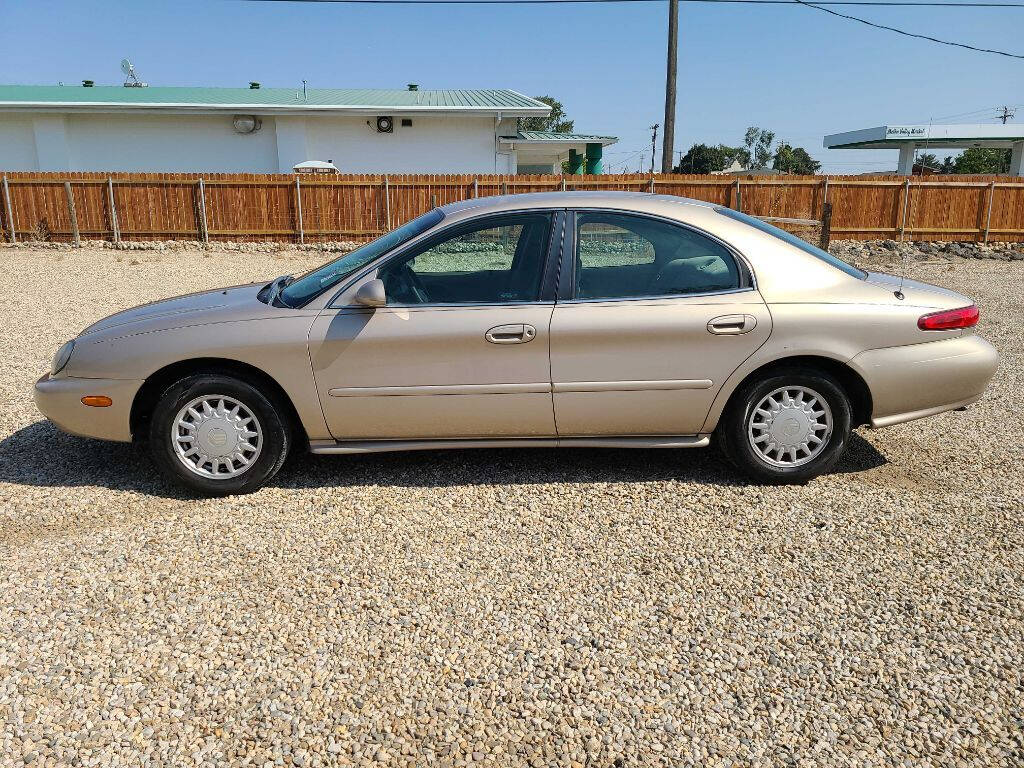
(793,240)
(311,284)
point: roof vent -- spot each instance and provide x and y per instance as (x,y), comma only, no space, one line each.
(88,83)
(253,85)
(413,87)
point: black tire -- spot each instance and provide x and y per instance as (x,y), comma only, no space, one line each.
(273,444)
(734,428)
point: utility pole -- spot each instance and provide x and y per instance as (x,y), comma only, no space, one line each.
(1007,114)
(667,150)
(654,143)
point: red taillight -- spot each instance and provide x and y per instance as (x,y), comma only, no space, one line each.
(948,319)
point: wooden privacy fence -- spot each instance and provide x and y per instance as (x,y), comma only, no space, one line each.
(70,207)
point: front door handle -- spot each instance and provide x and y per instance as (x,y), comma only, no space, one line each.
(516,333)
(724,325)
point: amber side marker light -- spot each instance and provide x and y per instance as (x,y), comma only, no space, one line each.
(949,319)
(97,401)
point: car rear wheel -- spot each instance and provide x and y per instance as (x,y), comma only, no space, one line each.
(788,427)
(218,435)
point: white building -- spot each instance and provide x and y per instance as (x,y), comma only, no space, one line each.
(271,130)
(908,139)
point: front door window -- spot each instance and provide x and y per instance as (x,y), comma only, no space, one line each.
(496,261)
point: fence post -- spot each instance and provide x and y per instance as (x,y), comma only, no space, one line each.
(72,214)
(387,205)
(652,185)
(114,227)
(476,187)
(504,188)
(738,201)
(563,182)
(7,205)
(298,210)
(824,196)
(988,217)
(903,215)
(826,226)
(204,232)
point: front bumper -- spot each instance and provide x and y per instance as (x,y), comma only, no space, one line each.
(919,380)
(60,400)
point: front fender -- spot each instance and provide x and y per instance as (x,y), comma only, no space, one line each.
(276,345)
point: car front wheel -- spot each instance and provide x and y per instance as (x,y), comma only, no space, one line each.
(788,427)
(217,435)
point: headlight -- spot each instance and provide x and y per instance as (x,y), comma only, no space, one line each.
(62,357)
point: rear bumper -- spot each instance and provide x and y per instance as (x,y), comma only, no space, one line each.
(60,400)
(919,380)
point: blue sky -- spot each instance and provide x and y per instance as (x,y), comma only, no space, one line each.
(797,71)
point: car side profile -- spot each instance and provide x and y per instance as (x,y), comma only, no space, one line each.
(556,319)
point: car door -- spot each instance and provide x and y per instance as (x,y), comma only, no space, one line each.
(461,348)
(652,318)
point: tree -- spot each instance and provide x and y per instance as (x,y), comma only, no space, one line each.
(982,160)
(555,121)
(928,160)
(758,144)
(794,160)
(702,158)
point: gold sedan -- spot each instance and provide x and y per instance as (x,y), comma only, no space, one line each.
(562,319)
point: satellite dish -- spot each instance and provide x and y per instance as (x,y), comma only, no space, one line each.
(132,80)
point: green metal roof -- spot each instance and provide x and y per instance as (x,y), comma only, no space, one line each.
(553,136)
(52,96)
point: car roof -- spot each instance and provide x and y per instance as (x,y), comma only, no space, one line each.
(638,201)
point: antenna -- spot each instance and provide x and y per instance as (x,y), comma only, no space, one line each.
(131,79)
(904,255)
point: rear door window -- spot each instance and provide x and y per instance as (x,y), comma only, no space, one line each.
(621,256)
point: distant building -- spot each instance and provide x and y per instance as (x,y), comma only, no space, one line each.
(737,169)
(920,169)
(544,151)
(910,138)
(274,130)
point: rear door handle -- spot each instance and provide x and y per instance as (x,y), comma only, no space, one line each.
(516,333)
(724,325)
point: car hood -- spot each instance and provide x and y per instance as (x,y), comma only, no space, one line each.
(238,302)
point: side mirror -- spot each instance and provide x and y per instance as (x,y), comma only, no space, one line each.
(371,294)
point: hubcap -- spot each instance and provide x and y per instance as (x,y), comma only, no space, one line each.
(216,436)
(790,426)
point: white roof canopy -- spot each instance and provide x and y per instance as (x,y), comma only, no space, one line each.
(932,136)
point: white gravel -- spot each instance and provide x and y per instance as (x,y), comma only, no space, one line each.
(504,608)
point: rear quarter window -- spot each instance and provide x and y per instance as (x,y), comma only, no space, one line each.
(795,241)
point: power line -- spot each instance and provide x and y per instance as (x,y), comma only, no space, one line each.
(965,114)
(909,34)
(900,3)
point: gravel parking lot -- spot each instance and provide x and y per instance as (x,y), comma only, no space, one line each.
(504,608)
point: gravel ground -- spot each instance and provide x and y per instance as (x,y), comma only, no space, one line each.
(504,608)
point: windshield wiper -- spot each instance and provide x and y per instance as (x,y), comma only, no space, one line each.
(275,288)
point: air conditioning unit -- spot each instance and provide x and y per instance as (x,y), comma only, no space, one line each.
(385,124)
